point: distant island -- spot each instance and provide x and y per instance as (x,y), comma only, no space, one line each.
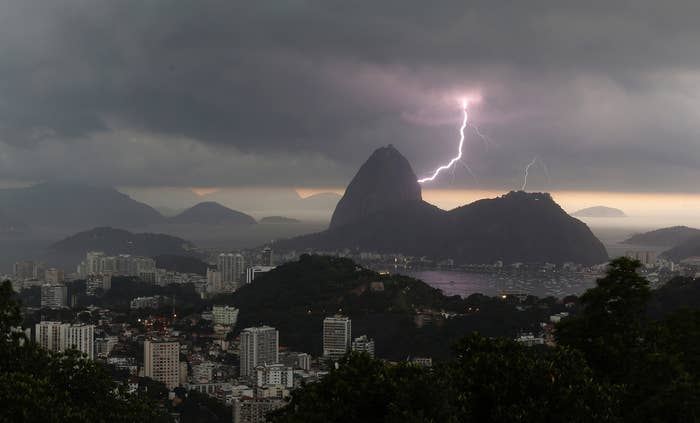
(279,220)
(664,237)
(212,213)
(599,211)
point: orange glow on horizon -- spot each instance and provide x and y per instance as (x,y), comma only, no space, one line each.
(308,192)
(642,208)
(204,191)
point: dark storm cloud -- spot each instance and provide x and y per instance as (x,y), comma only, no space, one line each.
(300,92)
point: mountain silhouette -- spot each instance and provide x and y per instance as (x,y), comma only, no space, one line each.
(664,237)
(385,180)
(382,211)
(73,206)
(112,241)
(212,213)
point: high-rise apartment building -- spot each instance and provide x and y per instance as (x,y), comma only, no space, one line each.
(232,268)
(266,256)
(224,315)
(58,337)
(48,335)
(161,361)
(54,296)
(337,333)
(53,276)
(259,346)
(93,263)
(363,344)
(214,281)
(95,282)
(24,269)
(79,337)
(274,374)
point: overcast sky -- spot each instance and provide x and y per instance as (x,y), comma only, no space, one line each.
(299,93)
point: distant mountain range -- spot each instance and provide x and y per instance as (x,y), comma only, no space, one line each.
(59,207)
(254,201)
(665,237)
(599,211)
(71,250)
(212,213)
(392,218)
(73,207)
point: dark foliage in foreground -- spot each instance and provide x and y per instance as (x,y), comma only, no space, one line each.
(36,385)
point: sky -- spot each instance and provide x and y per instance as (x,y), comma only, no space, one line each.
(298,94)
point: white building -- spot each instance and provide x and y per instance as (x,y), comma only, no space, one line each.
(104,346)
(59,337)
(203,372)
(48,335)
(53,276)
(364,344)
(274,374)
(252,272)
(224,315)
(304,361)
(54,296)
(214,281)
(146,302)
(337,333)
(259,346)
(266,257)
(78,337)
(232,267)
(647,258)
(93,263)
(161,361)
(95,282)
(254,410)
(529,340)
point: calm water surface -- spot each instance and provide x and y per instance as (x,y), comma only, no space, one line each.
(454,282)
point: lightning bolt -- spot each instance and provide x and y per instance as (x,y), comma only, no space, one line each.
(487,141)
(527,170)
(459,152)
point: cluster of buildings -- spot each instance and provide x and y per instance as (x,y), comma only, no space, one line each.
(98,263)
(98,269)
(262,379)
(231,271)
